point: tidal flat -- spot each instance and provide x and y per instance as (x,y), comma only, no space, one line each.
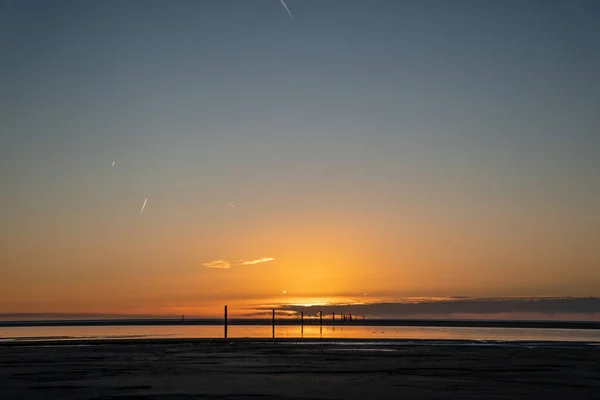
(297,369)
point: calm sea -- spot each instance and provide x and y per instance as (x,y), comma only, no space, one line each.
(327,332)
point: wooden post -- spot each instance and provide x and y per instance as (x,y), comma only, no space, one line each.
(350,317)
(273,324)
(321,322)
(333,319)
(302,323)
(225,324)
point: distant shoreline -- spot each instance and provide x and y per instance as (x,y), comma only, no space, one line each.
(310,322)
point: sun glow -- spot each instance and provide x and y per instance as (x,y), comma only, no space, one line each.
(316,301)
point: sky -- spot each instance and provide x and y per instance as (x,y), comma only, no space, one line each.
(361,151)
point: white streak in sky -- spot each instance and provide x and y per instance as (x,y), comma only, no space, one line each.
(143,206)
(231,204)
(287,9)
(113,163)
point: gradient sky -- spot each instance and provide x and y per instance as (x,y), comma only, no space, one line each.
(373,149)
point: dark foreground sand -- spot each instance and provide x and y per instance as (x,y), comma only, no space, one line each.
(286,370)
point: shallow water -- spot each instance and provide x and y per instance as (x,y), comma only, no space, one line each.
(327,332)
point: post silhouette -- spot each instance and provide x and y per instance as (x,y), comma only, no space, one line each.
(273,326)
(333,319)
(321,322)
(302,323)
(225,324)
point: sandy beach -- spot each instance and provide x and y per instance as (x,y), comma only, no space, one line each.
(265,369)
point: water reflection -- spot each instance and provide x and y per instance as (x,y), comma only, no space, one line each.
(298,332)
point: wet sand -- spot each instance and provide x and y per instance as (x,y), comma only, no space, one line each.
(264,369)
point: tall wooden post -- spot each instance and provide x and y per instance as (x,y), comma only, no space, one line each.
(302,323)
(321,322)
(273,327)
(225,324)
(333,319)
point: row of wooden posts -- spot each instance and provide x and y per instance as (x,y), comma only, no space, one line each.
(343,318)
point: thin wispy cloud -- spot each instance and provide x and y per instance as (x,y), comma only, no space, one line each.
(222,264)
(258,261)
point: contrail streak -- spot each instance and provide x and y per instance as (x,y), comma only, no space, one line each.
(113,163)
(287,9)
(143,206)
(231,204)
